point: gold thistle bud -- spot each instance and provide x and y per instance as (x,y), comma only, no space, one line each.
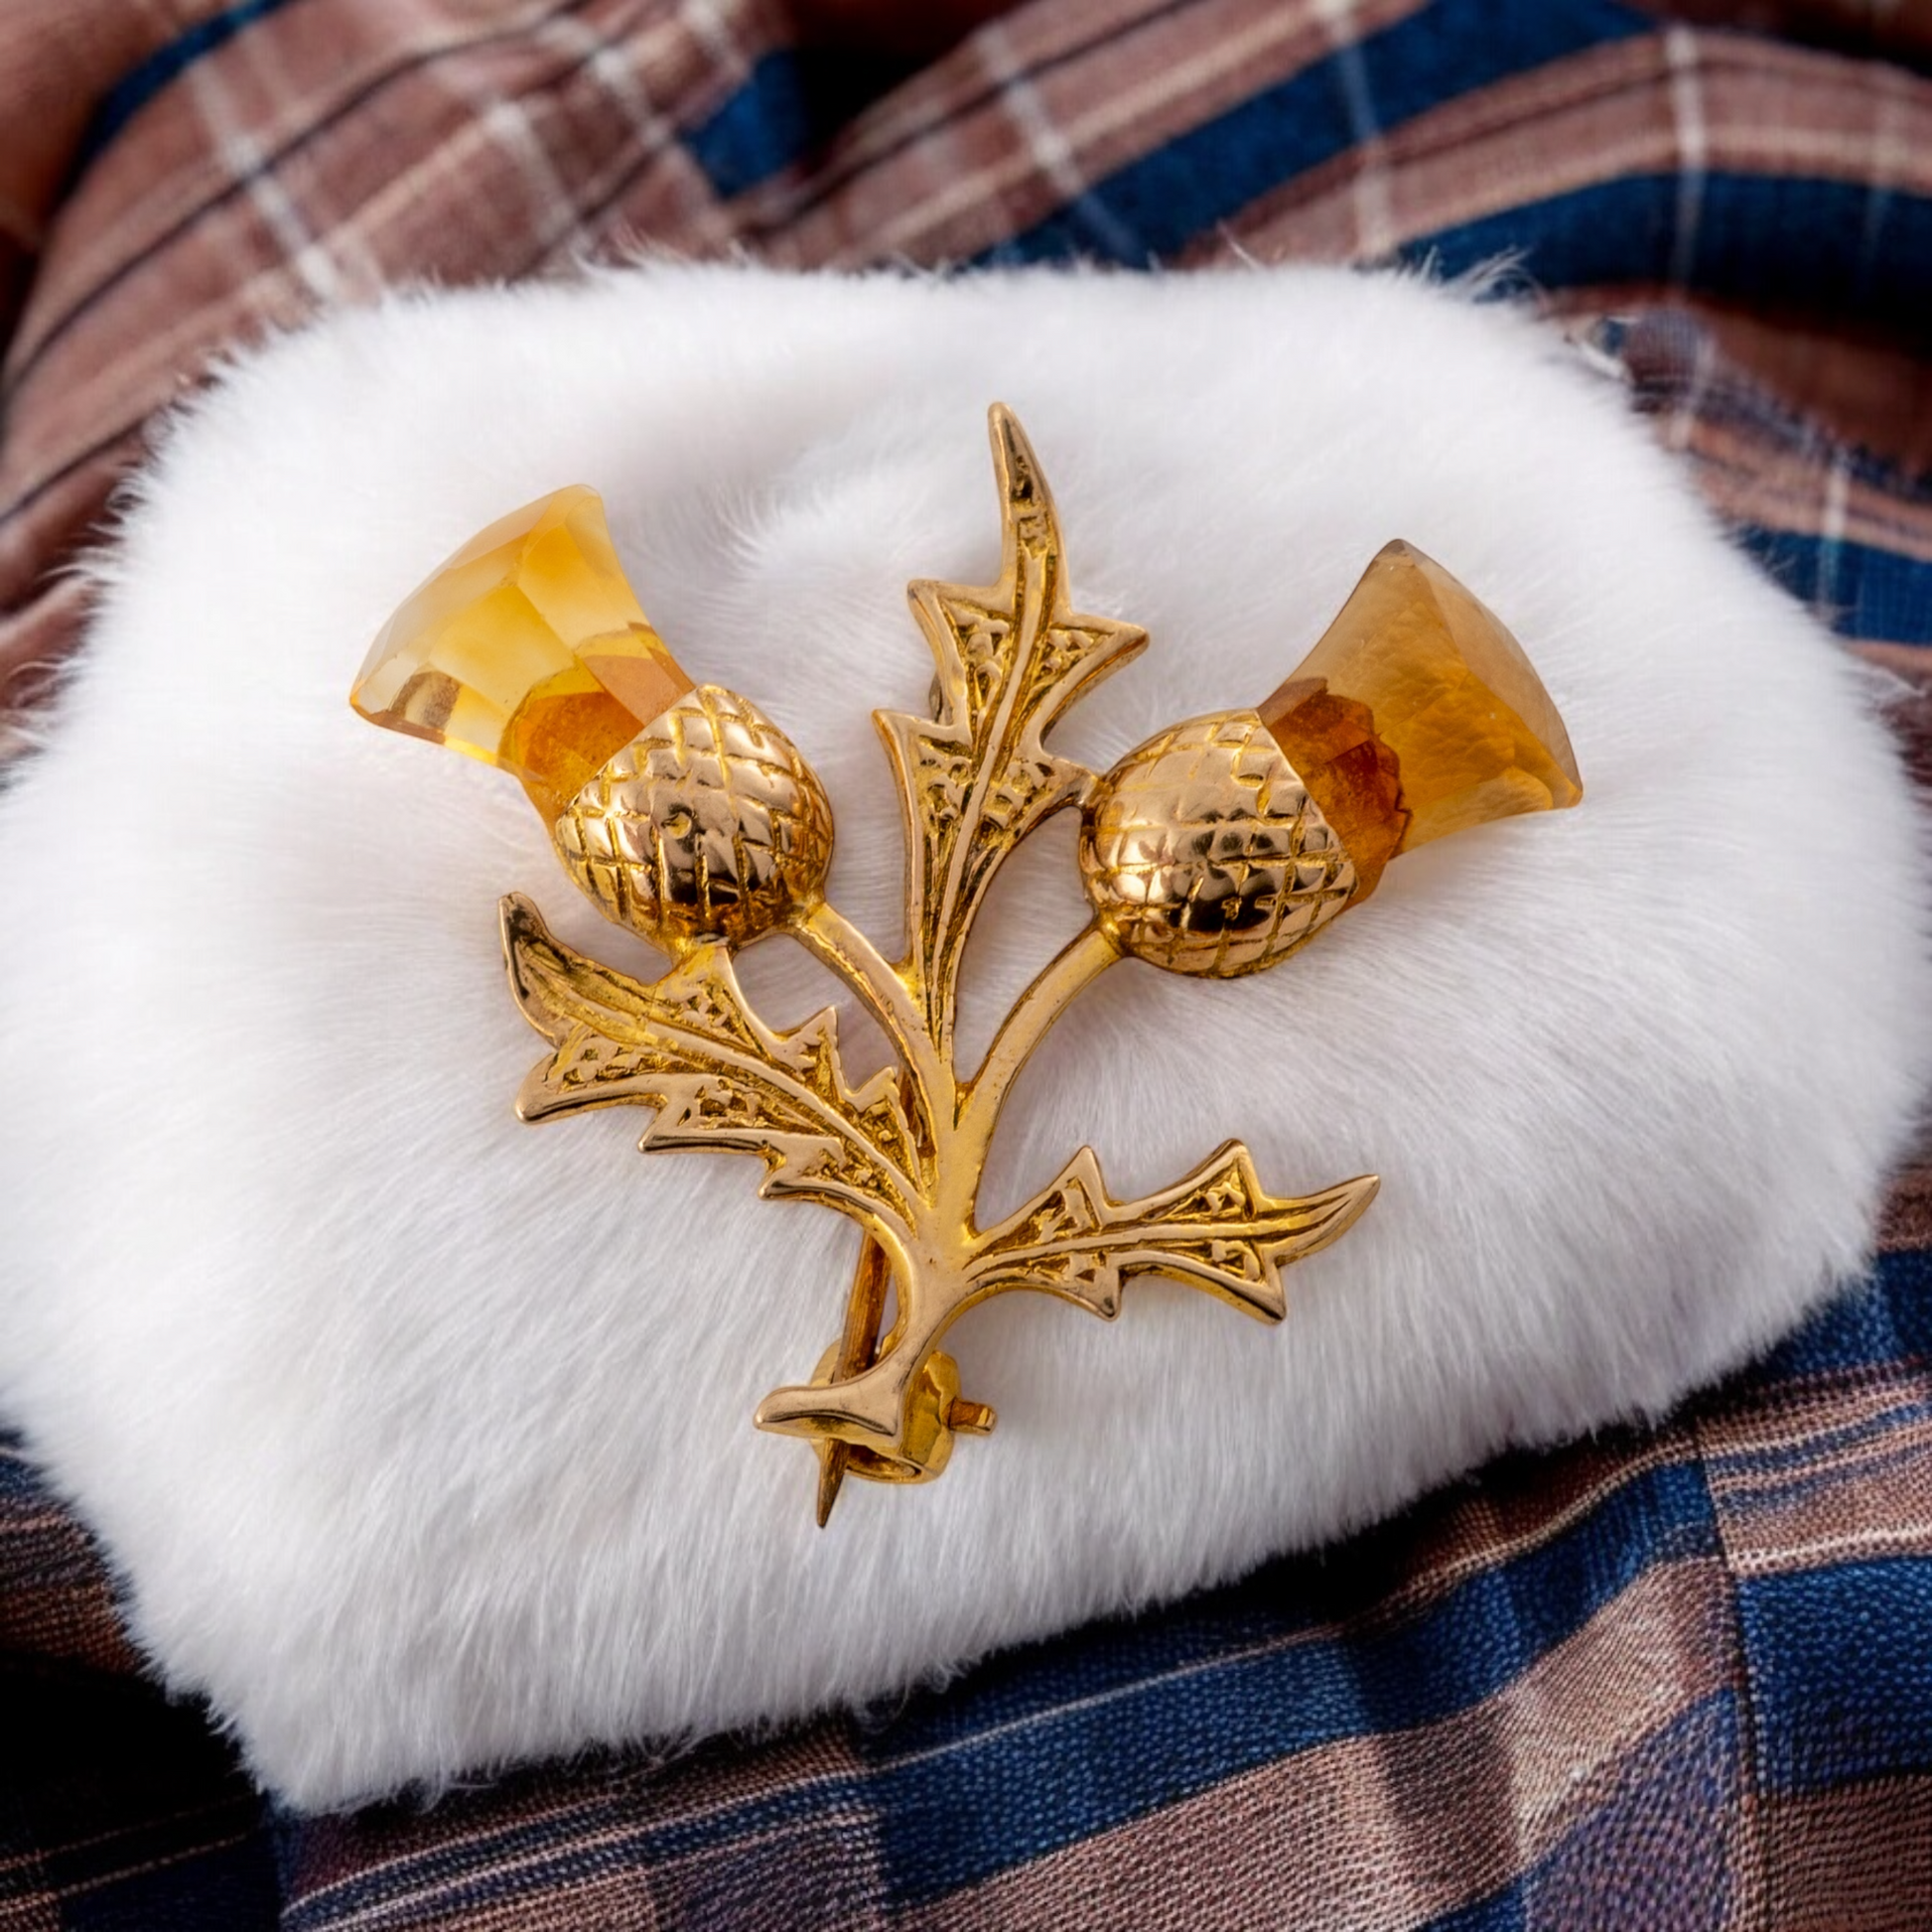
(683,812)
(1225,843)
(708,824)
(1204,853)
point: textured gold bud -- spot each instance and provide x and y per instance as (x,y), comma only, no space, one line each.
(1204,853)
(708,825)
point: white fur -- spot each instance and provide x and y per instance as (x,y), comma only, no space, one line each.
(423,1438)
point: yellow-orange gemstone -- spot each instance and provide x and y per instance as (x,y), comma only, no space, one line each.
(1417,715)
(527,649)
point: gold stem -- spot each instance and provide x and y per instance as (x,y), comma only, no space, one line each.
(833,939)
(828,935)
(1077,964)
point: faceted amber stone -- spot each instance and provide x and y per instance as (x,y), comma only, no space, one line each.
(1417,715)
(527,649)
(1349,771)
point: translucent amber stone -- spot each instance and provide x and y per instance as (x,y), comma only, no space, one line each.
(527,649)
(1349,771)
(1417,715)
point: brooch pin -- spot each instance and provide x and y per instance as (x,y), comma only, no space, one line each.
(1219,848)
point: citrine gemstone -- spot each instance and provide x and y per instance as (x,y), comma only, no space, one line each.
(1417,715)
(1349,771)
(527,649)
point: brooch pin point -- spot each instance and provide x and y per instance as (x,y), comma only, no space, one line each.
(1219,848)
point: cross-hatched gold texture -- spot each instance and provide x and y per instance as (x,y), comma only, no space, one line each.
(707,824)
(1204,853)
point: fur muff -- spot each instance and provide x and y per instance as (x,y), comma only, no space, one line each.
(422,1439)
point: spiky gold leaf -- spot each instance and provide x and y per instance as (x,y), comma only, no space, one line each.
(976,779)
(1217,1228)
(690,1046)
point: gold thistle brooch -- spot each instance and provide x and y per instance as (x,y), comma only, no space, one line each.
(1217,848)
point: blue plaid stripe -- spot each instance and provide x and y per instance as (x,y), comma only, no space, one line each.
(1842,1671)
(1868,250)
(1087,1735)
(1160,203)
(1858,588)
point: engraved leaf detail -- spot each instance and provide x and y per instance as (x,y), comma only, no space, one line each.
(977,778)
(691,1046)
(1216,1229)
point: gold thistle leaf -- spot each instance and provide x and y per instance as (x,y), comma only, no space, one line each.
(1217,1229)
(976,779)
(690,1045)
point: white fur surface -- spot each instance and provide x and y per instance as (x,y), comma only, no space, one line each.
(423,1438)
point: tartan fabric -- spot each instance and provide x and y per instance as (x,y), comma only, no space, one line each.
(1676,1677)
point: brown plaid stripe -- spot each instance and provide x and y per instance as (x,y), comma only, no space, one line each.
(337,146)
(55,1600)
(1677,102)
(1594,1763)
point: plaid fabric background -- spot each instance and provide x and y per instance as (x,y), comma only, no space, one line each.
(1675,1678)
